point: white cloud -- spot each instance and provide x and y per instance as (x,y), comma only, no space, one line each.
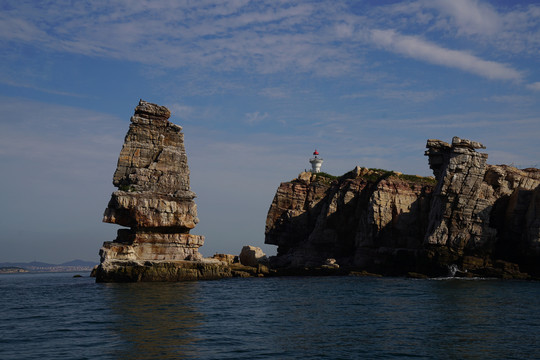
(180,111)
(255,117)
(344,30)
(268,37)
(417,48)
(20,29)
(275,93)
(403,95)
(508,29)
(37,88)
(534,86)
(510,99)
(263,37)
(468,16)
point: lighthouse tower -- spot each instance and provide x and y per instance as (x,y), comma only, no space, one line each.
(316,162)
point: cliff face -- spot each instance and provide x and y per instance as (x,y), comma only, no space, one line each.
(482,213)
(314,218)
(483,219)
(155,201)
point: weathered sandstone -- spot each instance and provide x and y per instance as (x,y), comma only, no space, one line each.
(480,211)
(314,218)
(252,256)
(483,219)
(155,201)
(227,258)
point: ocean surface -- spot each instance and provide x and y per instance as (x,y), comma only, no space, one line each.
(58,316)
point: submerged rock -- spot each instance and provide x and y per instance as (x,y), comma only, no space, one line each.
(155,201)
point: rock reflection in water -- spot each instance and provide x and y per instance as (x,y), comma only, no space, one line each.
(156,320)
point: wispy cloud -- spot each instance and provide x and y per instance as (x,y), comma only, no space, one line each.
(510,99)
(467,16)
(403,95)
(420,49)
(181,111)
(510,30)
(19,29)
(534,86)
(37,88)
(256,117)
(262,36)
(267,37)
(275,93)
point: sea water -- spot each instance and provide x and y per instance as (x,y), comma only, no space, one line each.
(58,316)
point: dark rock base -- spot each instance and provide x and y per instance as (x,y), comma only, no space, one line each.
(156,271)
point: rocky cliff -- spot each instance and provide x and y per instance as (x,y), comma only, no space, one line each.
(155,201)
(485,218)
(478,218)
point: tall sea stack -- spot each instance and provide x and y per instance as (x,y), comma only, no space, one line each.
(155,202)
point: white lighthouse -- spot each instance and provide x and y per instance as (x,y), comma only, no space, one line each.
(316,162)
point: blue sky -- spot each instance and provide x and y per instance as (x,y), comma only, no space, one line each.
(256,86)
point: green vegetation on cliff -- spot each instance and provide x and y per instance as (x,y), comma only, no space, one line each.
(325,177)
(418,179)
(374,175)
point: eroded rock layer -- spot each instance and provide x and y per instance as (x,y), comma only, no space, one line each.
(155,201)
(314,218)
(477,218)
(483,216)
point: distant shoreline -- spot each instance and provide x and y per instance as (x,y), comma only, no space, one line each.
(21,267)
(12,270)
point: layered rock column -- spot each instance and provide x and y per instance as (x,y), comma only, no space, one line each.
(460,208)
(482,213)
(474,202)
(153,200)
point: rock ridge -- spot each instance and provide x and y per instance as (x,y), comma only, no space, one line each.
(482,219)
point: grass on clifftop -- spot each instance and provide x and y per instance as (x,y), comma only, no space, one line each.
(377,175)
(384,174)
(417,178)
(325,175)
(325,178)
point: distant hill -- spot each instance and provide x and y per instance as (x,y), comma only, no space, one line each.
(26,264)
(74,265)
(78,262)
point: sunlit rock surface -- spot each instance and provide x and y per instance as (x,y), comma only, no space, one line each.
(155,201)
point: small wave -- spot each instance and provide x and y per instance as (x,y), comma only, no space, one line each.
(459,278)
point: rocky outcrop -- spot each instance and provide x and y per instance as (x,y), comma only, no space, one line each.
(482,214)
(252,256)
(227,258)
(148,271)
(314,218)
(480,219)
(155,201)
